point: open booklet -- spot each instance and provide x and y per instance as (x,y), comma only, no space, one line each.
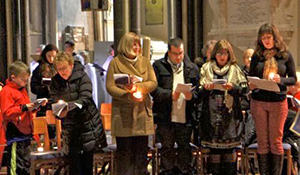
(264,84)
(184,87)
(218,84)
(38,103)
(46,81)
(58,107)
(123,79)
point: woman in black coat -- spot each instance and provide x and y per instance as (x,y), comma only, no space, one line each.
(83,131)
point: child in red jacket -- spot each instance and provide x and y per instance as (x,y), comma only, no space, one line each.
(16,110)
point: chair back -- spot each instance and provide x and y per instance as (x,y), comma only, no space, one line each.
(106,115)
(40,127)
(51,120)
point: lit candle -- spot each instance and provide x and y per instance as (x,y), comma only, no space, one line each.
(271,76)
(40,149)
(138,95)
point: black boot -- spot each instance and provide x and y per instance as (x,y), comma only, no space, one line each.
(263,163)
(277,164)
(229,168)
(215,168)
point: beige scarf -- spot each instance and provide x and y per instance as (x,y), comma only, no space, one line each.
(235,76)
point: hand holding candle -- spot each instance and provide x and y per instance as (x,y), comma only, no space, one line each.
(274,77)
(138,96)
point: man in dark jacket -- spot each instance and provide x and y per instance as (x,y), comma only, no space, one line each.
(173,109)
(82,127)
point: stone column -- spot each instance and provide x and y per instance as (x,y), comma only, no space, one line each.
(16,53)
(25,31)
(135,19)
(3,41)
(118,23)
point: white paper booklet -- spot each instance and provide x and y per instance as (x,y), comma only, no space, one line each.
(184,87)
(58,107)
(264,84)
(218,84)
(46,81)
(38,103)
(123,79)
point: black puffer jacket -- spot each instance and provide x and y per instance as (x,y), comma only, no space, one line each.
(78,88)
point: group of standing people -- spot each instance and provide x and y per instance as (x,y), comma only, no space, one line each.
(153,105)
(220,118)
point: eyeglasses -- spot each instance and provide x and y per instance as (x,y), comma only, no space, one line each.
(61,69)
(177,53)
(222,54)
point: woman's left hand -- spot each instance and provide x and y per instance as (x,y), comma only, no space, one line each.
(227,86)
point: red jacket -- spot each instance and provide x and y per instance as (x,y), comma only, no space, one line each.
(12,97)
(2,139)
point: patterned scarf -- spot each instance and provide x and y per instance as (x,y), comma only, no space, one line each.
(235,76)
(270,63)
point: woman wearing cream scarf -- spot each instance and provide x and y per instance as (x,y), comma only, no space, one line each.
(221,116)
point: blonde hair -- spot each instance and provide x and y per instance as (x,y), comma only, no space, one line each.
(17,68)
(63,56)
(126,43)
(248,54)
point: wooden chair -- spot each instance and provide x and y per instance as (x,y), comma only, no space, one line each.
(46,159)
(251,154)
(105,157)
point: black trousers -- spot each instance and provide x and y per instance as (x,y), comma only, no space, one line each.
(18,154)
(79,162)
(131,155)
(181,134)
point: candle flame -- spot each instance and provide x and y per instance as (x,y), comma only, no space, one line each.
(137,95)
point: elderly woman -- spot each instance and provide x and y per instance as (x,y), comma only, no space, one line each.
(83,132)
(221,111)
(132,119)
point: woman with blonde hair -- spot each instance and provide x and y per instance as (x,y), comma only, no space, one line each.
(221,110)
(272,61)
(132,119)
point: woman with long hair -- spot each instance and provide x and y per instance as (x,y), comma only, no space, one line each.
(221,118)
(271,61)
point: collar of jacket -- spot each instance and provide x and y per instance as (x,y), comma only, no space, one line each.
(137,68)
(13,85)
(187,66)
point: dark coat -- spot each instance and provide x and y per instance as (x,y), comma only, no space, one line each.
(162,96)
(41,90)
(78,88)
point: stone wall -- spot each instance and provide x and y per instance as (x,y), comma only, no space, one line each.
(239,20)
